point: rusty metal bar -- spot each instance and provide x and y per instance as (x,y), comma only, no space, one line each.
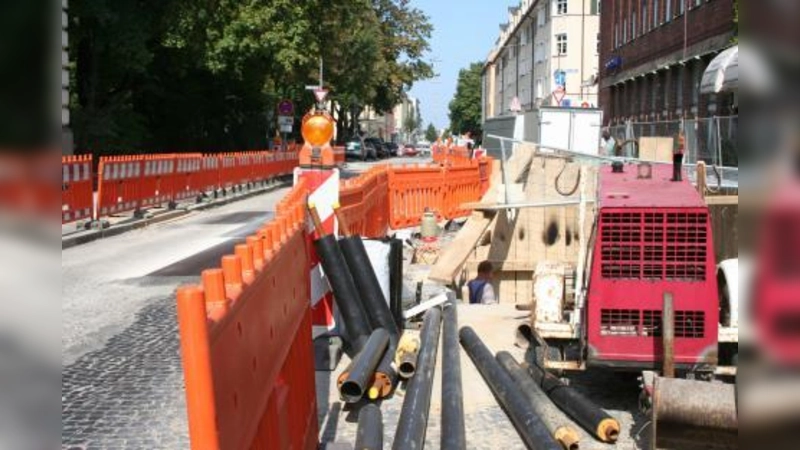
(668,335)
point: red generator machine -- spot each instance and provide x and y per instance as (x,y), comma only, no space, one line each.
(652,239)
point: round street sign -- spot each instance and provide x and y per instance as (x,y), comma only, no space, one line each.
(286,108)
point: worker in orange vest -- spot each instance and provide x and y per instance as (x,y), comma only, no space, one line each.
(677,157)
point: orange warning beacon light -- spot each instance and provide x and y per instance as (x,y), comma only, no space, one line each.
(317,131)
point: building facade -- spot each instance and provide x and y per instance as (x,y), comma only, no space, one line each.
(403,112)
(653,54)
(546,44)
(66,133)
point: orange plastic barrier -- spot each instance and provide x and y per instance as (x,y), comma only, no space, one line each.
(462,185)
(119,184)
(76,188)
(246,343)
(412,190)
(365,204)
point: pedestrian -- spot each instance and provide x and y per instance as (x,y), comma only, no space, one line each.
(481,291)
(677,157)
(608,143)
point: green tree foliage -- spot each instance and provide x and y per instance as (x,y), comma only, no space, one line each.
(431,134)
(465,108)
(183,75)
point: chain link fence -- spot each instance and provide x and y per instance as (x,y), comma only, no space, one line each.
(713,140)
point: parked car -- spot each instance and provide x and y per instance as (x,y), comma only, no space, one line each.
(356,148)
(380,147)
(394,149)
(424,148)
(372,152)
(410,150)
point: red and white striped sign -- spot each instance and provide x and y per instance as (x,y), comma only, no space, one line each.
(324,188)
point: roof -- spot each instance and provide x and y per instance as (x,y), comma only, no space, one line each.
(626,190)
(722,73)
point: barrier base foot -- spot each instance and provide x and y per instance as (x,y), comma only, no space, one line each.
(97,225)
(172,205)
(327,353)
(139,214)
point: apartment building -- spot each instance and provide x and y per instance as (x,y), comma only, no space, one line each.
(653,54)
(546,45)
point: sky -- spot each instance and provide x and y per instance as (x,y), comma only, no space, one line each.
(464,32)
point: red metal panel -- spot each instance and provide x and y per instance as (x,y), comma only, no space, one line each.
(627,190)
(639,254)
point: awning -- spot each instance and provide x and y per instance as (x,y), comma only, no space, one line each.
(722,75)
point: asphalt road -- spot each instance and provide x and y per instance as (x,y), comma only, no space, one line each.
(122,383)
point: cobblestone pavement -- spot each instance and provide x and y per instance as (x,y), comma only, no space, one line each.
(129,395)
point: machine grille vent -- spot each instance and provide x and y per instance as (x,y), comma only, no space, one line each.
(619,322)
(690,324)
(654,246)
(648,323)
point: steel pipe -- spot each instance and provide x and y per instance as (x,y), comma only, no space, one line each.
(362,369)
(369,435)
(690,414)
(559,426)
(453,431)
(668,336)
(396,282)
(413,421)
(579,408)
(407,355)
(369,288)
(528,424)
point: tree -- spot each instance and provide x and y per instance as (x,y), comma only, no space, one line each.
(431,134)
(465,108)
(736,21)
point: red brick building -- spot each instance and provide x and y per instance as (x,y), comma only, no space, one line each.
(653,54)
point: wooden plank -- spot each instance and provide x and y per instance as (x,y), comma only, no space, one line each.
(655,149)
(504,265)
(456,253)
(722,200)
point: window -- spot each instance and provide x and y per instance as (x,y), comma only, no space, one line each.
(561,6)
(540,18)
(668,14)
(595,7)
(633,25)
(616,35)
(656,13)
(644,17)
(539,89)
(625,31)
(561,44)
(681,6)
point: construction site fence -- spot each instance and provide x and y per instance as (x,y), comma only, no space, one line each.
(246,328)
(713,140)
(139,182)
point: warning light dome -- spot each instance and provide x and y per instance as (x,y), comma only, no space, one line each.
(317,129)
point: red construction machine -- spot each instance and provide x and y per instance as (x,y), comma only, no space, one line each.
(651,296)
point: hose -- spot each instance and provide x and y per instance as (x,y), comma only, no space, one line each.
(558,178)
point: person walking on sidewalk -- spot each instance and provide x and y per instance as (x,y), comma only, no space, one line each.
(481,291)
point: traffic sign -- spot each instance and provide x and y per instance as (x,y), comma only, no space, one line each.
(286,108)
(285,121)
(558,95)
(320,94)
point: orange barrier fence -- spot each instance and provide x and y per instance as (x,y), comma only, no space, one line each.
(76,188)
(133,183)
(365,203)
(414,189)
(246,343)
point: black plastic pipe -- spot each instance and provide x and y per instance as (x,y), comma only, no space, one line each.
(369,288)
(361,371)
(453,432)
(582,410)
(413,423)
(370,428)
(356,326)
(385,378)
(559,426)
(529,425)
(396,282)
